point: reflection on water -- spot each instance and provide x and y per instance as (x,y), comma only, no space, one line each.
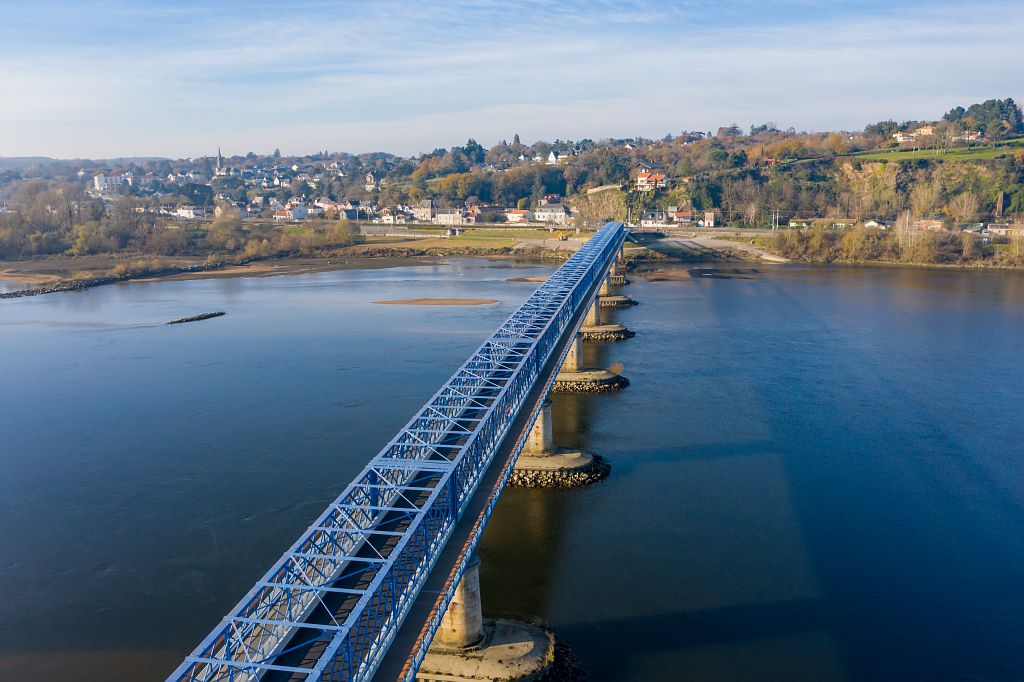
(816,472)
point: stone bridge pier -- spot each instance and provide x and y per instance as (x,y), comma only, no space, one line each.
(469,647)
(594,329)
(607,299)
(542,465)
(573,377)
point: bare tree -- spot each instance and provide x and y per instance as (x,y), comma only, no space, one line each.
(904,229)
(925,198)
(963,208)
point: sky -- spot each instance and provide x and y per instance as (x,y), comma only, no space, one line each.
(105,78)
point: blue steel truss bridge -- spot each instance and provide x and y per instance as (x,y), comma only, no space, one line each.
(361,593)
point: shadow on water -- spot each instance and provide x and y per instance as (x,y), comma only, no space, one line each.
(524,536)
(621,646)
(908,520)
(808,482)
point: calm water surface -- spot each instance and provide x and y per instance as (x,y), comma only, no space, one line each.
(817,473)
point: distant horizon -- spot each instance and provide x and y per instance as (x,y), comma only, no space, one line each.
(95,79)
(285,153)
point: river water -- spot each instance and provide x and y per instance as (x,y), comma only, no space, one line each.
(817,473)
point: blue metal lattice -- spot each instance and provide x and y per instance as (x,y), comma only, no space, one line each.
(331,606)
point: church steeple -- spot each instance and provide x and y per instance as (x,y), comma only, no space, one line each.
(220,159)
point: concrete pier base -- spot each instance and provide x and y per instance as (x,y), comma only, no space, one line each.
(616,301)
(588,381)
(565,468)
(605,332)
(542,465)
(467,647)
(594,330)
(618,280)
(510,651)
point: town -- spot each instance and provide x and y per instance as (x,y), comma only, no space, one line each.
(959,175)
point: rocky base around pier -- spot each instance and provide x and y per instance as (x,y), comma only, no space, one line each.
(511,650)
(566,667)
(589,381)
(564,469)
(605,332)
(616,301)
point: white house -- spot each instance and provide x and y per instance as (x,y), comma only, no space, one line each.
(518,215)
(191,212)
(654,219)
(449,216)
(556,214)
(646,182)
(425,211)
(105,182)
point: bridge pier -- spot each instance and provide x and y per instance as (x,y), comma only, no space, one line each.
(594,330)
(542,465)
(617,272)
(608,299)
(616,301)
(572,377)
(468,647)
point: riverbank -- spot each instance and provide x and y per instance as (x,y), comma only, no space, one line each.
(764,246)
(64,273)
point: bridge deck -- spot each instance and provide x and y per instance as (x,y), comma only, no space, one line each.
(332,606)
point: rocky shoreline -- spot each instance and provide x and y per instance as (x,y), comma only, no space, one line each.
(596,470)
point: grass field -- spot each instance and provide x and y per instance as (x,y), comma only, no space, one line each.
(471,242)
(953,154)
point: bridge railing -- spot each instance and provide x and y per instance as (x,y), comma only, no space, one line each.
(330,607)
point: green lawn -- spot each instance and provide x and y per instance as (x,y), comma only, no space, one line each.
(953,154)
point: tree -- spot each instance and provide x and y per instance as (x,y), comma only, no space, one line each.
(968,246)
(752,213)
(904,229)
(226,231)
(963,208)
(883,129)
(924,198)
(197,195)
(994,118)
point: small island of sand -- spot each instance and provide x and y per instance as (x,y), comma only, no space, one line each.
(439,301)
